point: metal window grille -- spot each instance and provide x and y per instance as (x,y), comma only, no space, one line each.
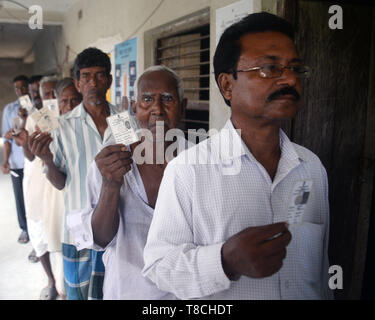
(188,54)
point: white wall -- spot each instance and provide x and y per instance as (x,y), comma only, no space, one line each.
(128,18)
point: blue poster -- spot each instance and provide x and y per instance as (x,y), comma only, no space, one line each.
(125,69)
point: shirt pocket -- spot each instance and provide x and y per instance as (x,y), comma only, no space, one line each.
(309,241)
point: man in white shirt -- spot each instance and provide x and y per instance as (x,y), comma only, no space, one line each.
(122,192)
(219,229)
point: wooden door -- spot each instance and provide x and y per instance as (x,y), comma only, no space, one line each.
(336,122)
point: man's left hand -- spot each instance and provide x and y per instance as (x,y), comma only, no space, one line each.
(9,135)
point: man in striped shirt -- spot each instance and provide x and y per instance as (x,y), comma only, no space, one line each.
(67,154)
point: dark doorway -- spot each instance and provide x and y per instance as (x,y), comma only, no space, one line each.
(336,122)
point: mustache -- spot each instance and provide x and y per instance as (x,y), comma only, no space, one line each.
(92,91)
(284,91)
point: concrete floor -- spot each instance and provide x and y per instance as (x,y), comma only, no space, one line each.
(19,278)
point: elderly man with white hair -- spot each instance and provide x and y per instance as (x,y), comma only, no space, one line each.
(122,192)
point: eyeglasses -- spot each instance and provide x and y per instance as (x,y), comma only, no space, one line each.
(275,70)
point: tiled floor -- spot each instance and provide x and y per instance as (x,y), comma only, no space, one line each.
(19,278)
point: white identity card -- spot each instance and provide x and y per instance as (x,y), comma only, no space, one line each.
(17,125)
(45,120)
(124,128)
(26,103)
(52,105)
(298,201)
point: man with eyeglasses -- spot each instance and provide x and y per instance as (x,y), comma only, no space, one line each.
(222,235)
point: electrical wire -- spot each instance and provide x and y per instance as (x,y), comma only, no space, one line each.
(17,3)
(142,24)
(151,14)
(14,17)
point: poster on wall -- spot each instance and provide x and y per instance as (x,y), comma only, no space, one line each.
(125,72)
(109,94)
(230,14)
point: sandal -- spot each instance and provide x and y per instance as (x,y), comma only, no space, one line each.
(32,257)
(48,293)
(24,237)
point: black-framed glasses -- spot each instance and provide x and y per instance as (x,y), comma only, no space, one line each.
(275,70)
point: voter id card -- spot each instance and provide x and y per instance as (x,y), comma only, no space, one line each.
(124,128)
(52,105)
(17,125)
(45,120)
(298,201)
(26,102)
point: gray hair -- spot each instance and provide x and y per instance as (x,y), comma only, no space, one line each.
(62,84)
(176,77)
(45,80)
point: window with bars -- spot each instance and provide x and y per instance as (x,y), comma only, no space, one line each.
(188,53)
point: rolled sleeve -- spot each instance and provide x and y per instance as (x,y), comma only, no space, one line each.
(57,151)
(79,225)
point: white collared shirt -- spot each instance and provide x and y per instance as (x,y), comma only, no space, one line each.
(200,206)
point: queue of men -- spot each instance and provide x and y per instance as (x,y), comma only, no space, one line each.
(175,229)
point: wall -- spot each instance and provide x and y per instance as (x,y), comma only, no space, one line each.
(126,19)
(47,49)
(10,68)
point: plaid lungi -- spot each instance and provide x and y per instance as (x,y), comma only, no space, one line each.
(83,273)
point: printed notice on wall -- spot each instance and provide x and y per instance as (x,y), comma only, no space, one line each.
(230,14)
(125,69)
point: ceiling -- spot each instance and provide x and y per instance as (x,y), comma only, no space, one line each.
(47,5)
(16,38)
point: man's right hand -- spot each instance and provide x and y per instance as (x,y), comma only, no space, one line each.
(255,252)
(39,145)
(113,162)
(5,168)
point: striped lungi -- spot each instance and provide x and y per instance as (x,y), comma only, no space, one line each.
(83,273)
